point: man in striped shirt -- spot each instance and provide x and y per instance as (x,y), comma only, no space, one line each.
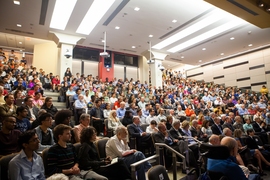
(63,159)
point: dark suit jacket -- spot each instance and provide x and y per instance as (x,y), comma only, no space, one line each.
(256,127)
(134,131)
(230,126)
(173,133)
(251,143)
(215,129)
(193,131)
(160,138)
(183,107)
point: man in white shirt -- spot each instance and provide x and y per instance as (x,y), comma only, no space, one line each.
(141,104)
(117,146)
(151,116)
(161,115)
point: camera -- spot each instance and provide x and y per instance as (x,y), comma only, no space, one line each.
(161,68)
(67,54)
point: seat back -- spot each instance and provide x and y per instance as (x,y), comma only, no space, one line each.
(109,132)
(144,126)
(214,152)
(132,140)
(101,147)
(44,156)
(4,161)
(158,172)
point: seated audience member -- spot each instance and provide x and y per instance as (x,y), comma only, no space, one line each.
(135,131)
(228,166)
(127,119)
(141,116)
(97,117)
(216,127)
(180,114)
(161,115)
(62,157)
(63,117)
(49,107)
(31,109)
(84,123)
(36,122)
(214,140)
(175,131)
(113,121)
(8,109)
(189,111)
(80,102)
(238,123)
(37,100)
(151,116)
(27,165)
(196,131)
(55,83)
(45,134)
(228,123)
(152,128)
(107,110)
(117,146)
(89,159)
(258,128)
(169,122)
(9,136)
(22,122)
(2,101)
(248,124)
(254,152)
(121,110)
(206,129)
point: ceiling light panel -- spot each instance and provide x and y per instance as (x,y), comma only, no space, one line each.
(19,25)
(214,17)
(17,2)
(61,13)
(136,9)
(208,34)
(96,11)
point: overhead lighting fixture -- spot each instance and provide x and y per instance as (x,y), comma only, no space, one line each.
(117,27)
(217,15)
(19,25)
(232,38)
(133,47)
(20,42)
(208,34)
(203,49)
(182,57)
(174,21)
(150,35)
(222,54)
(61,13)
(200,60)
(103,40)
(17,2)
(250,45)
(21,50)
(96,11)
(136,9)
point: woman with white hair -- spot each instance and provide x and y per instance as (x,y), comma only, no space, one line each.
(113,121)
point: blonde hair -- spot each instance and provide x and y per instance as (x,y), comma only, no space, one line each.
(111,116)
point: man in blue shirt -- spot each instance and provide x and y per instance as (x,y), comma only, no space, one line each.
(27,165)
(121,110)
(228,166)
(22,122)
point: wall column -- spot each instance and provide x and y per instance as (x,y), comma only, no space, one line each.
(106,73)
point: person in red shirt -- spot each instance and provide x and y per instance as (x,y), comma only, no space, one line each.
(55,83)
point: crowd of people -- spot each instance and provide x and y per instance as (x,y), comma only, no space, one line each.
(179,109)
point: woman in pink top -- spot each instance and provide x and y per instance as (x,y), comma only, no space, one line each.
(37,101)
(84,123)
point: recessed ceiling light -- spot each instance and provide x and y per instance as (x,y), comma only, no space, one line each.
(232,38)
(182,57)
(21,50)
(61,13)
(136,9)
(200,60)
(103,40)
(20,42)
(221,54)
(17,2)
(174,21)
(250,45)
(133,47)
(150,35)
(93,15)
(203,49)
(117,27)
(19,25)
(261,4)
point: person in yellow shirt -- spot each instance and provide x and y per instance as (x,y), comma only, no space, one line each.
(264,90)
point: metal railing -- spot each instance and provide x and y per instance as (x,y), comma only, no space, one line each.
(159,149)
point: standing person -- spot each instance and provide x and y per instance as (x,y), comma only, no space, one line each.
(97,117)
(27,165)
(9,136)
(117,146)
(89,158)
(68,74)
(62,157)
